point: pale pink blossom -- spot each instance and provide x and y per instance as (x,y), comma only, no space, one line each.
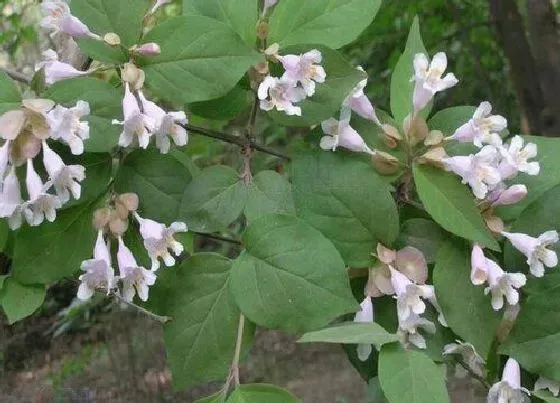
(409,295)
(55,70)
(41,204)
(535,250)
(66,125)
(281,94)
(57,18)
(365,315)
(409,330)
(503,285)
(65,178)
(358,102)
(516,158)
(483,128)
(304,69)
(509,388)
(428,78)
(137,126)
(135,279)
(98,271)
(148,49)
(503,196)
(10,200)
(341,134)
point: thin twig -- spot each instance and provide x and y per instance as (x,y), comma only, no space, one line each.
(230,138)
(218,238)
(476,376)
(162,319)
(234,369)
(22,78)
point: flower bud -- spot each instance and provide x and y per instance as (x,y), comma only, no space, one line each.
(434,138)
(272,50)
(412,263)
(415,130)
(11,124)
(433,156)
(385,163)
(391,135)
(494,223)
(262,30)
(479,269)
(148,49)
(122,211)
(262,68)
(511,195)
(112,39)
(129,200)
(133,75)
(117,226)
(101,218)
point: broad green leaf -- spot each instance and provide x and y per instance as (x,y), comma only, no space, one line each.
(213,200)
(289,277)
(450,119)
(3,280)
(332,23)
(55,250)
(401,86)
(200,339)
(260,393)
(4,234)
(215,398)
(201,59)
(347,201)
(269,192)
(123,17)
(19,300)
(351,333)
(240,15)
(325,103)
(423,234)
(225,108)
(549,176)
(535,337)
(541,216)
(10,97)
(408,376)
(451,205)
(374,393)
(159,180)
(467,310)
(104,103)
(546,396)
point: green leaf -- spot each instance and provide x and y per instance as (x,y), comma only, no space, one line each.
(347,201)
(200,59)
(159,180)
(546,396)
(351,333)
(104,102)
(408,376)
(240,15)
(401,86)
(213,200)
(535,336)
(450,119)
(20,300)
(329,96)
(281,282)
(218,397)
(123,17)
(259,393)
(332,23)
(451,205)
(424,235)
(4,234)
(269,192)
(541,216)
(55,250)
(374,393)
(200,340)
(549,176)
(10,98)
(226,107)
(467,310)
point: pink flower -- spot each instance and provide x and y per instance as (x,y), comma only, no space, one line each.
(535,250)
(365,315)
(135,279)
(504,197)
(509,388)
(482,128)
(98,271)
(502,284)
(428,78)
(341,134)
(304,69)
(281,94)
(55,70)
(57,18)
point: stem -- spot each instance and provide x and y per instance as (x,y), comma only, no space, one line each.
(234,369)
(473,374)
(218,238)
(16,76)
(161,319)
(238,141)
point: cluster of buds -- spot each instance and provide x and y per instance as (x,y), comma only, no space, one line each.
(111,223)
(298,82)
(25,132)
(403,275)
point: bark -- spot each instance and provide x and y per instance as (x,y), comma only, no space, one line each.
(511,35)
(545,42)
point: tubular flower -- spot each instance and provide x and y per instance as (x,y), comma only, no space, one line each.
(281,94)
(135,279)
(509,388)
(535,250)
(98,271)
(304,69)
(482,128)
(428,78)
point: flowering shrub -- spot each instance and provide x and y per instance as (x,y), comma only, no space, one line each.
(417,238)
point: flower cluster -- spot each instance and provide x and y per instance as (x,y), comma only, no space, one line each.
(25,132)
(301,73)
(402,274)
(112,222)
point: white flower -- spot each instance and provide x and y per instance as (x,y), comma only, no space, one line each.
(304,69)
(4,159)
(281,94)
(268,4)
(534,249)
(343,135)
(159,3)
(428,78)
(364,315)
(55,70)
(482,128)
(57,18)
(158,239)
(478,170)
(502,284)
(468,354)
(509,389)
(65,178)
(98,271)
(479,267)
(545,383)
(41,204)
(516,158)
(10,200)
(135,279)
(358,102)
(66,125)
(409,295)
(137,127)
(166,125)
(408,330)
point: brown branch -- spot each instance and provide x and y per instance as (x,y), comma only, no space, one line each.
(22,78)
(218,238)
